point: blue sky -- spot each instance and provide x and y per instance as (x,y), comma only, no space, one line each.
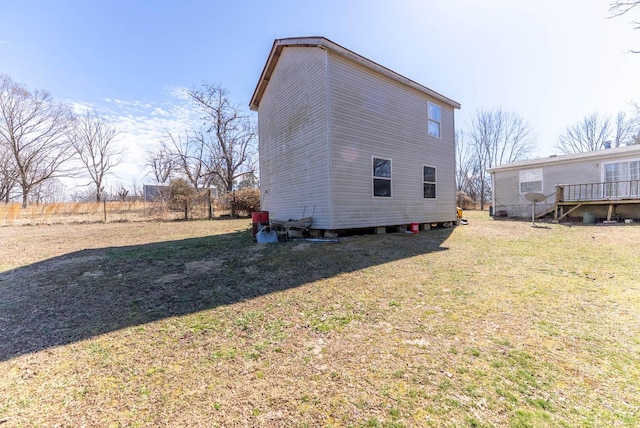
(551,61)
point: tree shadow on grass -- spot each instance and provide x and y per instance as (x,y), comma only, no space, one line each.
(90,292)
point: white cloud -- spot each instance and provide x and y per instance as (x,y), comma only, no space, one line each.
(178,92)
(141,126)
(80,108)
(159,111)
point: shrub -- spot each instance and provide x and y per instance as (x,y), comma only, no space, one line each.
(181,194)
(464,201)
(243,201)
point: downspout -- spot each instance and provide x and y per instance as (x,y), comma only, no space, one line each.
(328,136)
(492,207)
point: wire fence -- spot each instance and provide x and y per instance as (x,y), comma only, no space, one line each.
(107,211)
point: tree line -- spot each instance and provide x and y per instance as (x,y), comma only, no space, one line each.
(42,141)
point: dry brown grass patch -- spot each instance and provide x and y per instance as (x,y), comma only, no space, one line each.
(192,324)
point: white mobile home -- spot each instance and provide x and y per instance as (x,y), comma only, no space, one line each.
(350,142)
(603,183)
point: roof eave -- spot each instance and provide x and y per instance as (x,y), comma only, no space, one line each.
(566,159)
(322,42)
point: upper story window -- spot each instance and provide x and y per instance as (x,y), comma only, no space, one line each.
(429,182)
(531,180)
(382,177)
(434,113)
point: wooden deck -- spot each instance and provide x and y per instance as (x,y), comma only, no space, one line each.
(570,197)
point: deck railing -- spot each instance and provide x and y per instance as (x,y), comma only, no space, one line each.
(628,189)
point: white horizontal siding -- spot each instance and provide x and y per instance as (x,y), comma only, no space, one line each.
(293,138)
(372,115)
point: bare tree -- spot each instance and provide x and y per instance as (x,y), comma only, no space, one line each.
(160,164)
(594,130)
(586,135)
(35,131)
(624,129)
(620,7)
(634,124)
(94,141)
(498,137)
(189,156)
(7,173)
(48,191)
(229,137)
(465,162)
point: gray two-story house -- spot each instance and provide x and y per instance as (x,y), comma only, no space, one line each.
(350,142)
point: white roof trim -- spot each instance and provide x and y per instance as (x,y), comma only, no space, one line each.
(324,43)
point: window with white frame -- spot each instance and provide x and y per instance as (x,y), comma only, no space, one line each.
(621,179)
(634,176)
(531,180)
(435,114)
(634,170)
(615,172)
(428,182)
(381,177)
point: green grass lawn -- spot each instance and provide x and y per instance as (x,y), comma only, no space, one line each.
(496,323)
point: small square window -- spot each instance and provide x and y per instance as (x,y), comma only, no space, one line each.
(429,190)
(381,168)
(381,187)
(531,181)
(429,174)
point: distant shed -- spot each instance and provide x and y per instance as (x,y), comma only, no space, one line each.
(350,142)
(155,193)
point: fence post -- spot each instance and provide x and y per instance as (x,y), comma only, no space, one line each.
(104,209)
(210,207)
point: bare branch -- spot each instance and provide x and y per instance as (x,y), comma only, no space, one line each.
(591,133)
(497,137)
(230,136)
(35,131)
(160,164)
(93,141)
(619,8)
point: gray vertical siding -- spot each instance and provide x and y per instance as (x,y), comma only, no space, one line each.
(373,115)
(293,138)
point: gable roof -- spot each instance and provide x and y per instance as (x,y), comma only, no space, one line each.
(324,43)
(575,157)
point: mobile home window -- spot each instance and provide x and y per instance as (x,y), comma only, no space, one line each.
(429,182)
(531,180)
(434,114)
(634,170)
(621,179)
(615,172)
(382,177)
